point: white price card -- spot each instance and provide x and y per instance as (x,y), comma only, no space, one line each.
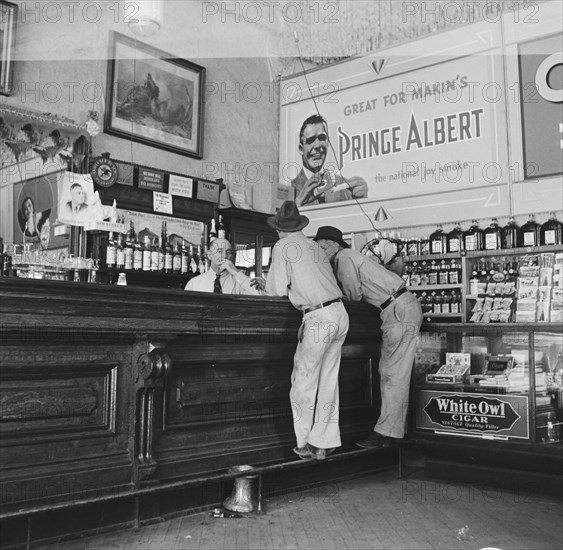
(162,202)
(181,186)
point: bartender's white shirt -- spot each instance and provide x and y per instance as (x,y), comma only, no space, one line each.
(230,284)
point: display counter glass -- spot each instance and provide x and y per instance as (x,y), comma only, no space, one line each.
(495,382)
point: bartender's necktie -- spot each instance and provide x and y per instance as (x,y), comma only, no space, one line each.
(217,284)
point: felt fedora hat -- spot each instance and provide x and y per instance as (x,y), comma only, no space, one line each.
(287,218)
(331,234)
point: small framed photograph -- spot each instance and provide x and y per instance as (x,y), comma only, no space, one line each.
(8,17)
(154,98)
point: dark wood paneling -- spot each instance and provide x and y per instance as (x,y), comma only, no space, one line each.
(105,387)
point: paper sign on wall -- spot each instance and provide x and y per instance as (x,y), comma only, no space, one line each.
(151,180)
(162,202)
(207,191)
(181,186)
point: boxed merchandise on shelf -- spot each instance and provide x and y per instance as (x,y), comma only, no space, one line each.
(455,370)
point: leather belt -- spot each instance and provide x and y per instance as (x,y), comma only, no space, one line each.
(324,304)
(390,300)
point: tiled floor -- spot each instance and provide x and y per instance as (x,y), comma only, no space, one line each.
(374,512)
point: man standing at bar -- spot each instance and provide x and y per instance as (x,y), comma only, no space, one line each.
(364,278)
(301,271)
(223,277)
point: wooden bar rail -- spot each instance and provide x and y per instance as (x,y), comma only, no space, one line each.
(106,391)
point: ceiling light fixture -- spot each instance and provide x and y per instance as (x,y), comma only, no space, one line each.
(146,19)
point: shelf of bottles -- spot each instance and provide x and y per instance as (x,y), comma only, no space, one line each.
(474,274)
(153,261)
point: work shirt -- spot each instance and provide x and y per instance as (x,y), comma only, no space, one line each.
(365,279)
(230,284)
(301,271)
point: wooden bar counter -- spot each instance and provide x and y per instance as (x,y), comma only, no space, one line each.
(108,390)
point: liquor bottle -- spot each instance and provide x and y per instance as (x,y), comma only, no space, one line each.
(128,249)
(111,251)
(413,248)
(455,302)
(443,277)
(193,262)
(433,273)
(200,262)
(155,254)
(454,242)
(510,234)
(492,236)
(221,228)
(162,250)
(407,274)
(454,275)
(423,273)
(415,274)
(550,231)
(176,259)
(205,254)
(484,273)
(168,258)
(512,268)
(445,302)
(473,237)
(551,428)
(147,253)
(422,300)
(474,281)
(436,305)
(531,232)
(137,254)
(212,230)
(184,259)
(119,252)
(424,246)
(438,241)
(161,254)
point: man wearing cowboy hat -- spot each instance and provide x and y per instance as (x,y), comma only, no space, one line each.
(300,271)
(364,278)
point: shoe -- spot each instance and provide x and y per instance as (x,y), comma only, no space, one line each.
(304,452)
(320,454)
(375,440)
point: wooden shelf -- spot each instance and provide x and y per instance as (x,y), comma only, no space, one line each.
(421,288)
(486,253)
(444,315)
(515,251)
(430,257)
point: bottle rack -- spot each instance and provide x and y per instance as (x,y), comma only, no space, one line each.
(466,259)
(457,288)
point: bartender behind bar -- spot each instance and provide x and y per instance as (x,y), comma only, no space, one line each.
(223,277)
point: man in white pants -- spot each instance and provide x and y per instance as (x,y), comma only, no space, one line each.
(364,278)
(301,271)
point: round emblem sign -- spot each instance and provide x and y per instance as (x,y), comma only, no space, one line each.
(104,172)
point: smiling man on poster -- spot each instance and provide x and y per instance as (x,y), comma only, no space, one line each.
(314,184)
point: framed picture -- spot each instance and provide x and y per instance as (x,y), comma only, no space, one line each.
(154,98)
(8,17)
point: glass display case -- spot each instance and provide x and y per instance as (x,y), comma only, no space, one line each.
(496,382)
